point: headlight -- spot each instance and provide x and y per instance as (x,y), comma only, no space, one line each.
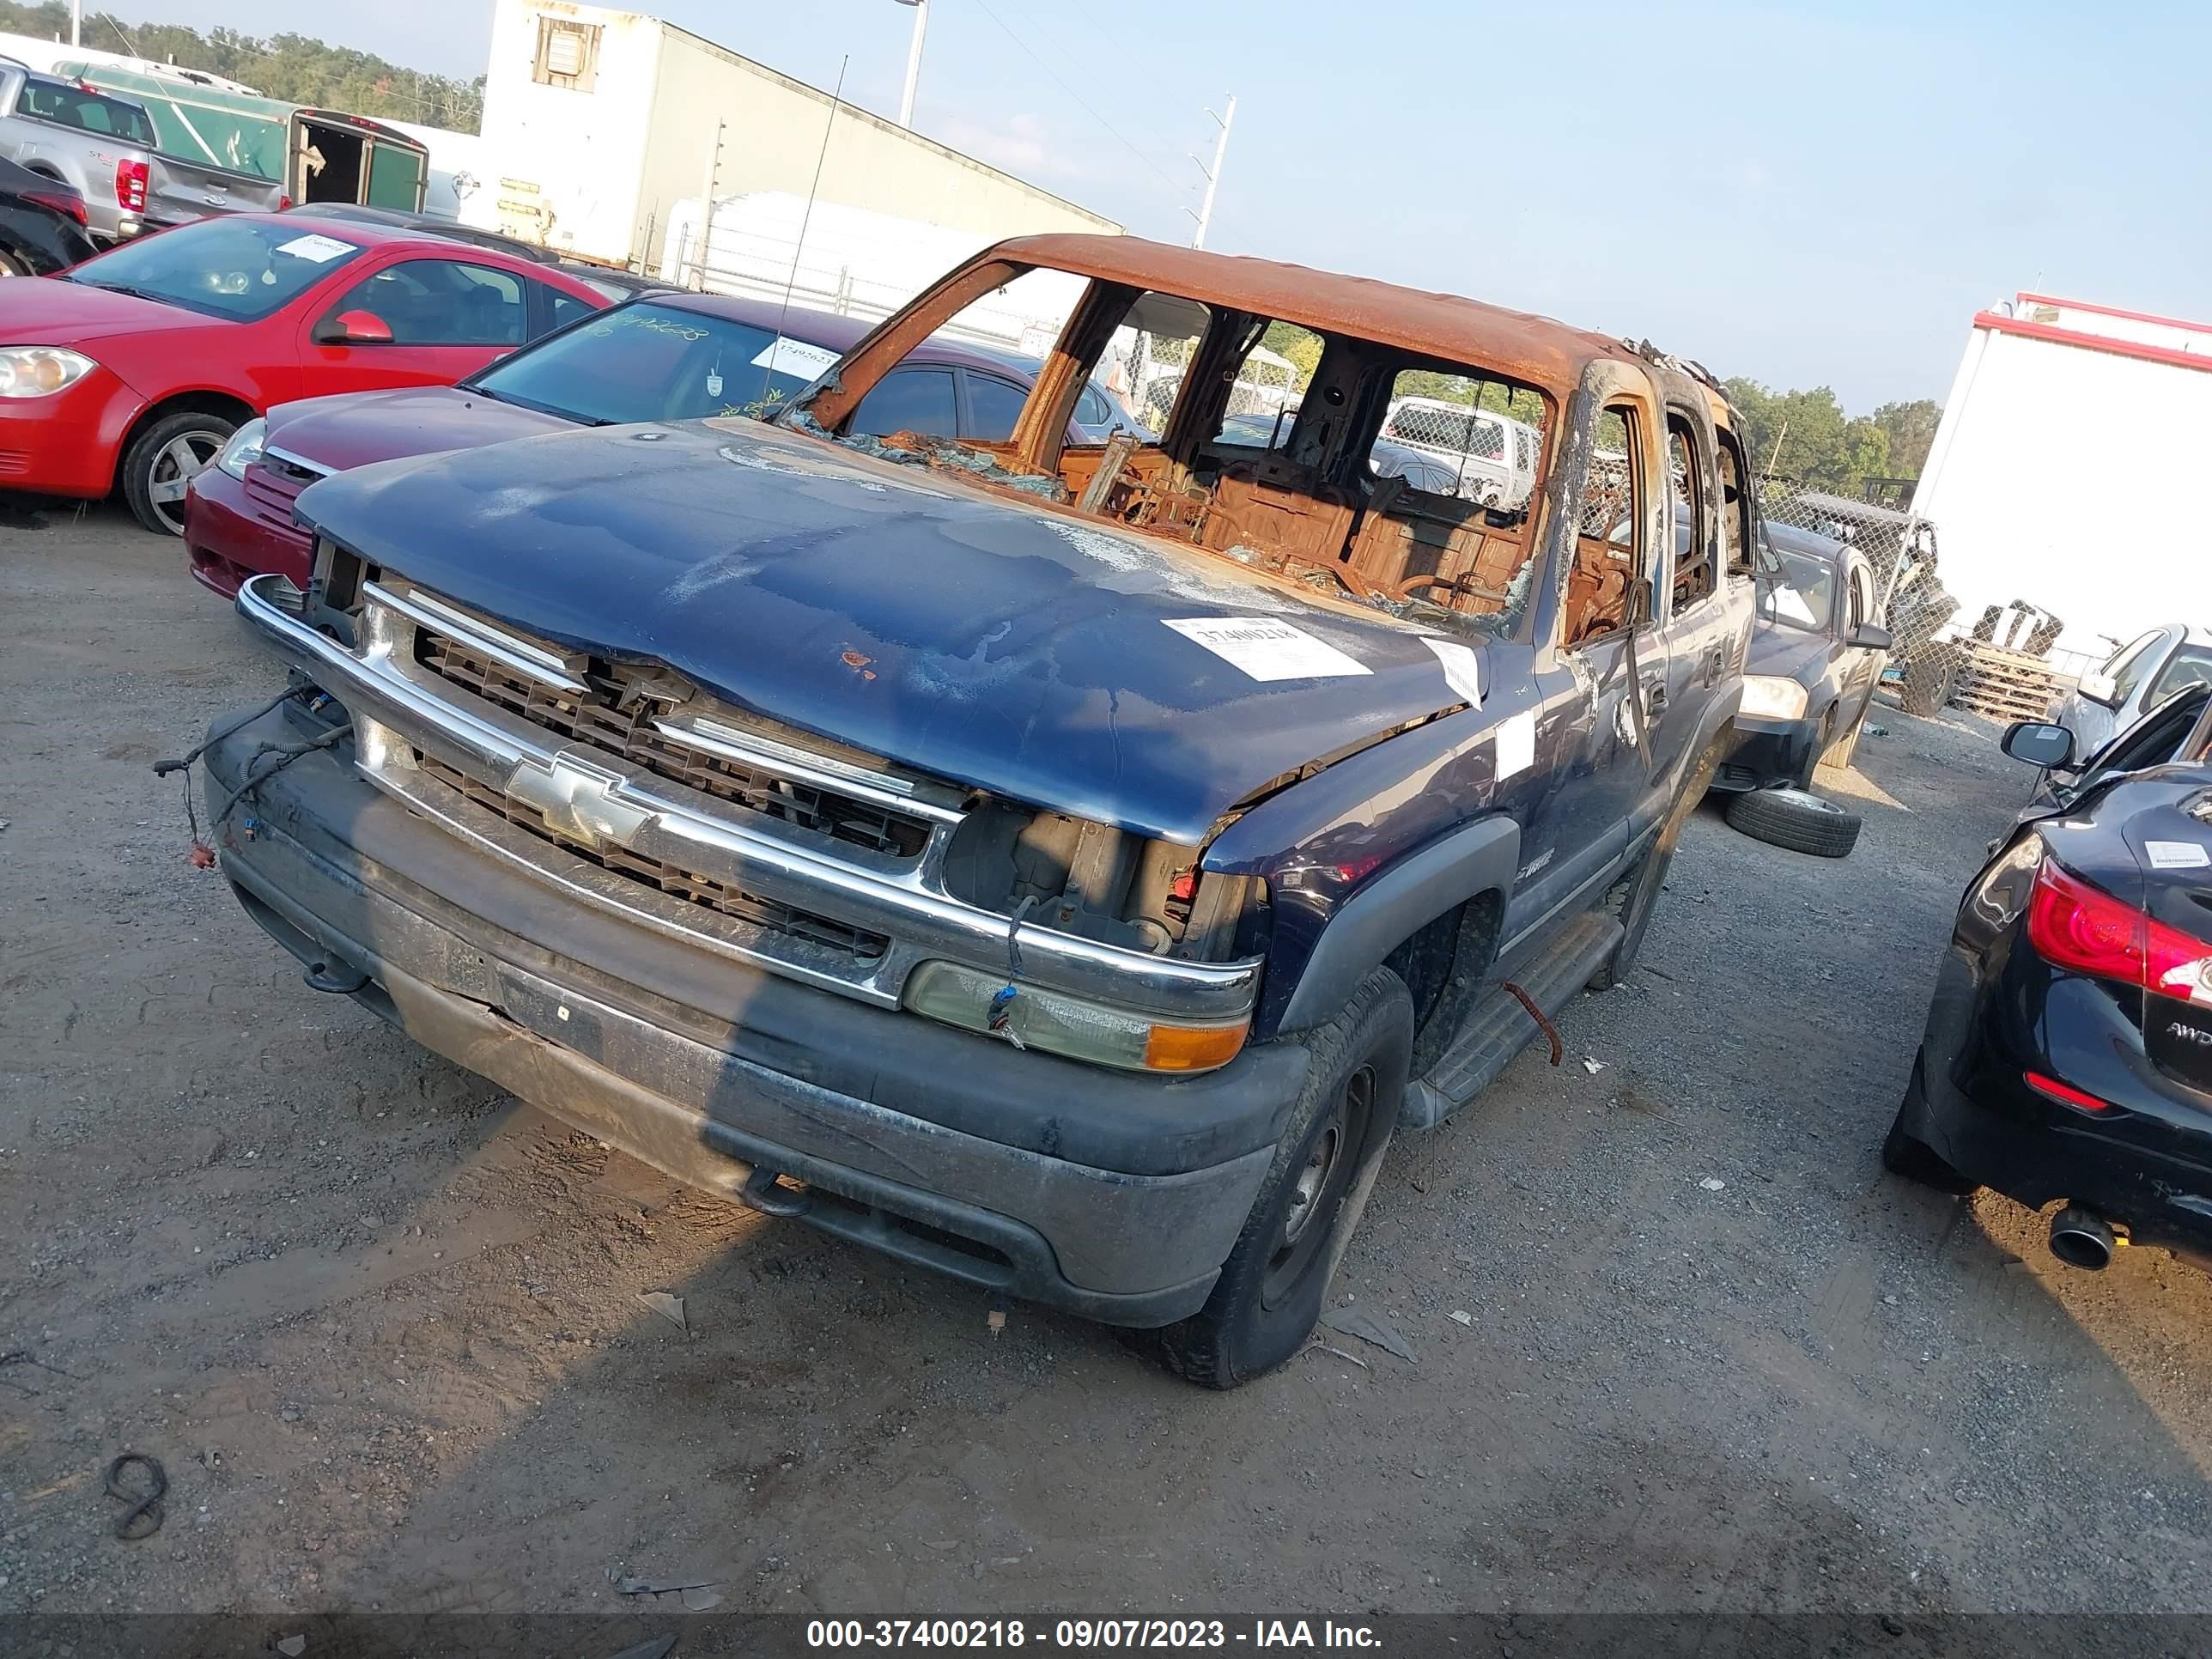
(1067,1026)
(243,449)
(40,371)
(1767,698)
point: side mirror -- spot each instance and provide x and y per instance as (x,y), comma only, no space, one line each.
(1868,636)
(2099,689)
(2038,743)
(353,328)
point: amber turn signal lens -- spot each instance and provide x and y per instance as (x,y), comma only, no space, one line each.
(1192,1047)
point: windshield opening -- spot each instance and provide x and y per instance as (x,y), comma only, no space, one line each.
(652,361)
(239,269)
(1360,470)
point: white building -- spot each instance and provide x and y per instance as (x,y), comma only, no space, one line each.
(2068,469)
(597,124)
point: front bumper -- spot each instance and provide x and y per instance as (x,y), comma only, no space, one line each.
(1113,1196)
(67,444)
(1770,752)
(230,535)
(2146,1164)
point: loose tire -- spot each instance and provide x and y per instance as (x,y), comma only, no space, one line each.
(164,458)
(1797,819)
(1904,1154)
(1272,1288)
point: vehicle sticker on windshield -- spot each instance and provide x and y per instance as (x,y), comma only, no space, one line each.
(1462,669)
(1516,746)
(2177,855)
(796,358)
(318,249)
(1267,649)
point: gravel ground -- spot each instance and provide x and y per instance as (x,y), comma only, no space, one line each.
(381,1324)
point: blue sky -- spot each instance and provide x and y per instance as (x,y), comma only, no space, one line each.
(1808,195)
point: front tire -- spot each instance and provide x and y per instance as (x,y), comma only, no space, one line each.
(164,458)
(1272,1285)
(12,265)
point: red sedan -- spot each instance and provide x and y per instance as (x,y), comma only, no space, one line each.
(131,372)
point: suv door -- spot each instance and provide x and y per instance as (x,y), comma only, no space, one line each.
(1697,631)
(448,319)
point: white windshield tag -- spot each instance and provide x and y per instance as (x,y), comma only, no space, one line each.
(316,250)
(1462,669)
(1267,649)
(796,358)
(2177,855)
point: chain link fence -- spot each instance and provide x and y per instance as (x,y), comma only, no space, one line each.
(2001,664)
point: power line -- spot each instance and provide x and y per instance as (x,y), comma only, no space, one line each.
(1078,97)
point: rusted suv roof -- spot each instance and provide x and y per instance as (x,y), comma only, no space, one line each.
(1548,355)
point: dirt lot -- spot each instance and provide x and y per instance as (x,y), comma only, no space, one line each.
(382,1327)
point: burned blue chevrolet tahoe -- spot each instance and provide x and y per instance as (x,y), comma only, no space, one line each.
(1062,866)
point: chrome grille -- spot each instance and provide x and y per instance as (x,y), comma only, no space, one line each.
(860,944)
(617,714)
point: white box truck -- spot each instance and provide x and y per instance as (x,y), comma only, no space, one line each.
(598,122)
(2057,404)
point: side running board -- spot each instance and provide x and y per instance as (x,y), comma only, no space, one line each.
(1500,1028)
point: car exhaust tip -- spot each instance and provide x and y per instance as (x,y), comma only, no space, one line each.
(2081,1238)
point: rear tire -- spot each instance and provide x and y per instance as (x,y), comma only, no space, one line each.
(1797,819)
(1904,1154)
(1272,1285)
(164,458)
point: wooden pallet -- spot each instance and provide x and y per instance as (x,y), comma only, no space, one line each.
(2005,685)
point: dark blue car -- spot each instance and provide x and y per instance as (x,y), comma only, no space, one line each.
(1063,865)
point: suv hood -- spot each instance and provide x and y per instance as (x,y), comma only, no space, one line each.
(357,428)
(1014,649)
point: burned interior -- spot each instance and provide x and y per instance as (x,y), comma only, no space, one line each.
(1383,469)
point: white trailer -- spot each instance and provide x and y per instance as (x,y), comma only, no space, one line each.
(2064,471)
(597,123)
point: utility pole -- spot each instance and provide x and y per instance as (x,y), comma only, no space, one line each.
(76,22)
(1212,174)
(913,59)
(707,207)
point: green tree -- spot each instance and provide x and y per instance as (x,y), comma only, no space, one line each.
(1911,428)
(1806,436)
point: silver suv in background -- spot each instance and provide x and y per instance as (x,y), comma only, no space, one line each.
(2137,678)
(99,145)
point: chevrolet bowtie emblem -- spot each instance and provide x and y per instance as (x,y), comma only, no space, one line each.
(576,800)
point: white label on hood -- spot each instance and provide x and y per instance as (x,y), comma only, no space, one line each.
(796,358)
(317,250)
(1267,649)
(1515,750)
(2177,855)
(1462,669)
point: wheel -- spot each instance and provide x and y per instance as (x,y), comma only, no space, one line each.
(1797,819)
(1635,895)
(164,459)
(1904,1154)
(12,267)
(1270,1293)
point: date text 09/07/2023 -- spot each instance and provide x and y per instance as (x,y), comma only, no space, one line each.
(1085,1633)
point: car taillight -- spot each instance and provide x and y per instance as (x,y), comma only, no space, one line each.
(283,205)
(2072,925)
(130,185)
(60,201)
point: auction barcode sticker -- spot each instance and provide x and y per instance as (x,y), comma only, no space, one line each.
(1267,649)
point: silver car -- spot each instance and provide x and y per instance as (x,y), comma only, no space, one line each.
(97,144)
(2141,675)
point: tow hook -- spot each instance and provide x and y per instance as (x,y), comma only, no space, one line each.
(2082,1238)
(340,979)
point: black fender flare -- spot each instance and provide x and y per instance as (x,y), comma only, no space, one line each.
(1475,857)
